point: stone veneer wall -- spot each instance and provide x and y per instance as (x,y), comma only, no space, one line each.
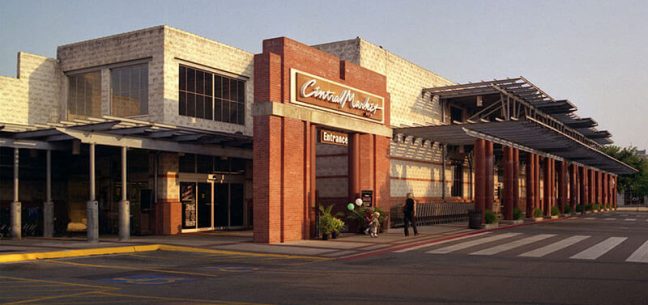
(33,97)
(415,166)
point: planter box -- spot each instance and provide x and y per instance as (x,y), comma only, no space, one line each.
(489,226)
(554,217)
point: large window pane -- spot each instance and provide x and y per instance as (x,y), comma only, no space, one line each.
(129,90)
(84,95)
(210,96)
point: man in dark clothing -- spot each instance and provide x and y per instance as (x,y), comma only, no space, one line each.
(409,210)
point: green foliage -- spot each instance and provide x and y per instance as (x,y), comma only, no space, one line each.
(579,208)
(555,211)
(328,223)
(537,213)
(358,215)
(596,207)
(490,217)
(568,209)
(588,207)
(517,214)
(636,183)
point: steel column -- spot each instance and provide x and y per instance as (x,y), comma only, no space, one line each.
(124,204)
(16,206)
(92,206)
(48,205)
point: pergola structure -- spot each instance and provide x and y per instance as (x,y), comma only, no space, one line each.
(116,132)
(519,116)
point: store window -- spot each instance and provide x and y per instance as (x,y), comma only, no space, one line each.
(211,96)
(129,90)
(84,95)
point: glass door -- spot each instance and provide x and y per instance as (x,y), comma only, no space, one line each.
(204,204)
(221,205)
(236,205)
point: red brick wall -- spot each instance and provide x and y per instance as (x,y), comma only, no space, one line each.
(281,158)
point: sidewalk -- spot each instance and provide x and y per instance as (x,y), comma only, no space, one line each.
(30,248)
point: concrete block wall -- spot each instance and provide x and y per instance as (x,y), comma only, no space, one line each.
(181,47)
(33,96)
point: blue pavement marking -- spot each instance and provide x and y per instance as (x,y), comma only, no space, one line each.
(148,279)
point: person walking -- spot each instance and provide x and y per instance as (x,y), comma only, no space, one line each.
(409,209)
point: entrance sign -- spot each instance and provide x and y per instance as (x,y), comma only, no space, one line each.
(316,92)
(334,137)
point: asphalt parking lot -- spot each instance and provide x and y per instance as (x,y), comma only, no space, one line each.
(478,269)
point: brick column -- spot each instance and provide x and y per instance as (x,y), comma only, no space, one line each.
(480,176)
(516,178)
(592,185)
(546,189)
(507,211)
(530,184)
(562,185)
(573,187)
(354,166)
(615,181)
(168,209)
(537,203)
(490,187)
(605,191)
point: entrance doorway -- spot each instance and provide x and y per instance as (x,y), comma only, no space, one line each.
(211,206)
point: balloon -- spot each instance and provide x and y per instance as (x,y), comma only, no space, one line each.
(358,202)
(350,206)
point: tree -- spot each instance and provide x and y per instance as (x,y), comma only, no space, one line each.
(636,183)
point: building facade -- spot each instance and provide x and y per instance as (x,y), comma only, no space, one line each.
(160,131)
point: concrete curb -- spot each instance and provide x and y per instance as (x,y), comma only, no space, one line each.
(21,257)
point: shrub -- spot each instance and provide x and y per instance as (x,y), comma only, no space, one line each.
(555,211)
(327,222)
(568,209)
(597,207)
(588,207)
(517,214)
(537,213)
(490,217)
(579,208)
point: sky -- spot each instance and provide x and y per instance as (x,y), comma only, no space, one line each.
(594,53)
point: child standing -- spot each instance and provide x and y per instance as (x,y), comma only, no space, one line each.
(375,224)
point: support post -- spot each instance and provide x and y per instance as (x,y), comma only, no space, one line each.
(48,205)
(480,176)
(490,187)
(530,184)
(508,182)
(16,206)
(354,166)
(537,203)
(546,186)
(124,205)
(92,205)
(516,178)
(584,188)
(573,187)
(562,186)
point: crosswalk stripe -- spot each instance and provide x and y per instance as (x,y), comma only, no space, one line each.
(589,218)
(439,242)
(640,255)
(540,252)
(471,243)
(599,249)
(610,218)
(630,219)
(513,244)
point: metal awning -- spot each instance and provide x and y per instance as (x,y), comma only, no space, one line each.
(561,110)
(527,134)
(112,131)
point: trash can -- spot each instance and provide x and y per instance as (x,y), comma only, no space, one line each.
(474,219)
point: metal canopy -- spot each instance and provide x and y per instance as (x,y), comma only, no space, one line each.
(114,131)
(527,134)
(561,110)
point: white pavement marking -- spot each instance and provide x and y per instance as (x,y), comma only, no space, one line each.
(540,252)
(640,255)
(440,242)
(589,218)
(630,219)
(471,243)
(610,218)
(513,244)
(599,249)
